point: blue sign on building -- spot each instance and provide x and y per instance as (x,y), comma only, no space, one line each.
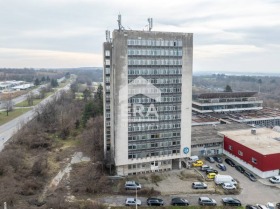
(186,150)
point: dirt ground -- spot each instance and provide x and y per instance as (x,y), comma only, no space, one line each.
(176,182)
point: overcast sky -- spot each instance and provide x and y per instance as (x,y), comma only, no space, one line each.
(229,35)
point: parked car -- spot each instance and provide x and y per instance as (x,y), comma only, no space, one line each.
(278,205)
(270,205)
(228,186)
(218,159)
(250,176)
(206,201)
(153,201)
(179,201)
(210,159)
(261,206)
(199,185)
(240,168)
(132,202)
(251,207)
(230,162)
(211,175)
(231,201)
(211,171)
(275,179)
(205,167)
(132,185)
(222,167)
(198,163)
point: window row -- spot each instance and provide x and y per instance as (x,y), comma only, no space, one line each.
(107,70)
(148,165)
(153,145)
(154,61)
(153,153)
(162,71)
(154,52)
(153,42)
(148,127)
(157,108)
(152,90)
(140,118)
(214,144)
(154,136)
(149,100)
(160,81)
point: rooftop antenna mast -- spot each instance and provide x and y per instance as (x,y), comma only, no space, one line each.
(120,22)
(150,20)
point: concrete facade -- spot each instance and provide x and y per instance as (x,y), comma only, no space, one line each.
(163,62)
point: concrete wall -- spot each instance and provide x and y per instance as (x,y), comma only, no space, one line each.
(119,97)
(186,105)
(262,174)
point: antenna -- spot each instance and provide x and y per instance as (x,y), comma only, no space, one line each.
(150,21)
(108,38)
(120,22)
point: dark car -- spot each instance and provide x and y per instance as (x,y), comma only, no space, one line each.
(211,171)
(231,201)
(218,159)
(239,168)
(250,176)
(230,162)
(251,207)
(153,201)
(210,159)
(278,205)
(222,166)
(179,201)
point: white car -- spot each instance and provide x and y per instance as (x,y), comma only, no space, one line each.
(228,186)
(132,202)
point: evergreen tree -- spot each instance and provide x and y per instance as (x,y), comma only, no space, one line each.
(36,82)
(54,83)
(228,88)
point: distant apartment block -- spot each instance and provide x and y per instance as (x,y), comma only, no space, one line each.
(147,100)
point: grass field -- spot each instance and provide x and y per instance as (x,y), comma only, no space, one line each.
(12,115)
(35,101)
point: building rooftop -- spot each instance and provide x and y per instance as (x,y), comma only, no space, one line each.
(225,95)
(241,117)
(266,141)
(209,134)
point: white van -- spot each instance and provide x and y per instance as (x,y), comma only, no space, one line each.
(220,179)
(275,179)
(193,158)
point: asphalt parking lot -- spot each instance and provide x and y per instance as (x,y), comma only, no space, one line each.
(259,192)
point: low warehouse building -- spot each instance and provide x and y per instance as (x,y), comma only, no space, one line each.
(258,150)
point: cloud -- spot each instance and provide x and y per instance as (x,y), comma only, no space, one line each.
(222,29)
(41,58)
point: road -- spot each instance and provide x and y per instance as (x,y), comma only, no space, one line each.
(8,129)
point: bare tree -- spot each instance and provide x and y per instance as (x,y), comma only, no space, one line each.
(30,98)
(8,103)
(93,138)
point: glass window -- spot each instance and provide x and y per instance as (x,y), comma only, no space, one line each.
(107,53)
